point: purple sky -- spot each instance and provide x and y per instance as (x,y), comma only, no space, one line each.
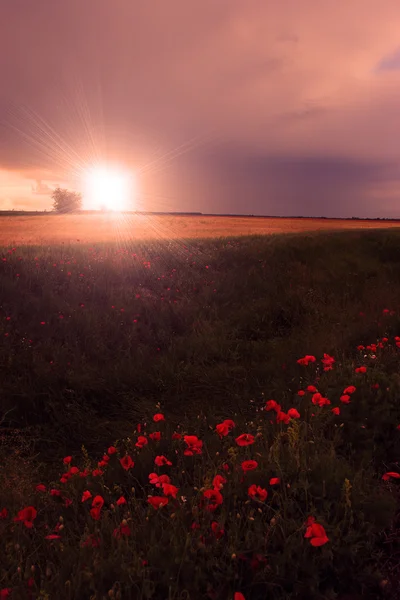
(243,106)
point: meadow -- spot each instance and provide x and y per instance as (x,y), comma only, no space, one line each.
(186,418)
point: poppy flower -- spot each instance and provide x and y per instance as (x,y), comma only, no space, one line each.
(311,388)
(95,513)
(156,436)
(142,441)
(27,516)
(218,482)
(158,501)
(169,490)
(246,439)
(361,370)
(257,493)
(272,405)
(249,465)
(121,501)
(98,502)
(55,492)
(349,390)
(336,410)
(126,462)
(53,536)
(293,413)
(214,498)
(317,534)
(393,474)
(176,436)
(306,360)
(301,393)
(86,495)
(194,445)
(3,513)
(238,596)
(161,461)
(158,417)
(225,427)
(345,398)
(112,450)
(40,488)
(217,531)
(122,531)
(67,460)
(274,481)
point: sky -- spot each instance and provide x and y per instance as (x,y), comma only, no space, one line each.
(258,107)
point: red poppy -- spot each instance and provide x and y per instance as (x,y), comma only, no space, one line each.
(95,513)
(194,445)
(393,474)
(249,465)
(67,460)
(97,473)
(246,439)
(112,450)
(293,413)
(218,482)
(126,462)
(217,531)
(156,436)
(86,495)
(158,501)
(311,388)
(316,533)
(3,513)
(345,398)
(336,410)
(161,461)
(142,441)
(40,488)
(122,531)
(361,370)
(121,501)
(73,470)
(98,502)
(225,427)
(53,536)
(55,492)
(282,417)
(301,393)
(257,493)
(27,516)
(176,436)
(306,360)
(169,490)
(238,596)
(349,390)
(272,405)
(158,417)
(214,498)
(5,593)
(274,481)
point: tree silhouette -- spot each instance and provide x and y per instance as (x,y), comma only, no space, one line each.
(65,201)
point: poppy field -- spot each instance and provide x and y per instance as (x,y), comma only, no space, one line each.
(201,419)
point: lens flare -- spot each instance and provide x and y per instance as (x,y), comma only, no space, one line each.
(109,189)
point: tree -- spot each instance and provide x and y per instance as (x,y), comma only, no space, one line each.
(65,201)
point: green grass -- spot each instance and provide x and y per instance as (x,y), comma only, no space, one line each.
(94,340)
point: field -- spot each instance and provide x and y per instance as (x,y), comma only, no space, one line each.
(53,228)
(187,418)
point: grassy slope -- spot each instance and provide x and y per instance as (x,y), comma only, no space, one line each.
(94,371)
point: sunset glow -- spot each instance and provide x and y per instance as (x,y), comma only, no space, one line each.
(108,188)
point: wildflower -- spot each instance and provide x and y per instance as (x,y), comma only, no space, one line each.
(53,536)
(194,445)
(301,393)
(249,465)
(5,593)
(142,441)
(169,490)
(176,436)
(218,482)
(27,516)
(86,495)
(274,481)
(386,476)
(156,436)
(127,462)
(73,470)
(111,450)
(361,370)
(121,501)
(54,492)
(246,439)
(97,473)
(349,390)
(40,488)
(3,513)
(158,481)
(293,413)
(316,533)
(345,398)
(122,530)
(161,461)
(217,531)
(158,417)
(225,427)
(67,460)
(257,493)
(214,498)
(238,596)
(95,513)
(282,417)
(312,389)
(158,501)
(272,405)
(336,410)
(98,502)
(306,360)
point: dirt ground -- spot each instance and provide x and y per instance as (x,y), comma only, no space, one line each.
(42,229)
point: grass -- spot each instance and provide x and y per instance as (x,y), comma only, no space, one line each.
(96,339)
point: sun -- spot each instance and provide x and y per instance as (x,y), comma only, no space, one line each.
(108,188)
